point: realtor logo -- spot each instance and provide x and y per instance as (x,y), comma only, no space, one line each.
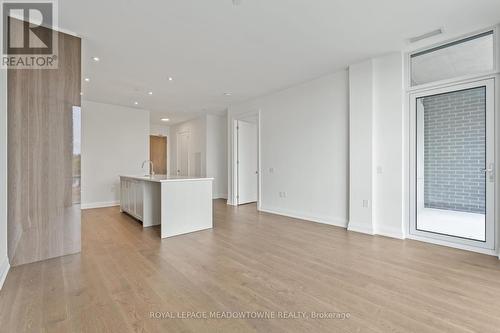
(28,38)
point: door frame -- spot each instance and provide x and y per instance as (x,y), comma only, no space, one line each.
(177,153)
(492,125)
(233,163)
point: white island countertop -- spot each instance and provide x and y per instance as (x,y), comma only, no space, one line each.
(165,178)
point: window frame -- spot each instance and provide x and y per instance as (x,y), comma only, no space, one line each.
(444,43)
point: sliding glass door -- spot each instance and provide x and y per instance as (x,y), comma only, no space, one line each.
(452,159)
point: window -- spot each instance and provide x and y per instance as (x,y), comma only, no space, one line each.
(472,55)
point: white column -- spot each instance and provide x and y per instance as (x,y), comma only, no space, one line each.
(360,147)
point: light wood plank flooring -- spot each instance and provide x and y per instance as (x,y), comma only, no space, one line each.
(250,262)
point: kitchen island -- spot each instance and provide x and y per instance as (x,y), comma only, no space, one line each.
(179,204)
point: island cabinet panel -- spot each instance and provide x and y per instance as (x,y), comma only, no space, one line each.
(139,199)
(44,158)
(132,198)
(186,207)
(179,204)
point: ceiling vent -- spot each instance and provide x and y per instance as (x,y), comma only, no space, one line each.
(426,35)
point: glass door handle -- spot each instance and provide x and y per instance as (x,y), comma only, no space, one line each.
(491,169)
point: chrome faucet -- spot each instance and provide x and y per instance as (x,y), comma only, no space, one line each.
(151,167)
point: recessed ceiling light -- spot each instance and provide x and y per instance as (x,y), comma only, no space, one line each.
(96,59)
(165,119)
(170,78)
(87,79)
(136,103)
(227,94)
(81,93)
(150,93)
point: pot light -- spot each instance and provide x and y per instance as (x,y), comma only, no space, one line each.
(87,79)
(81,93)
(165,119)
(136,103)
(96,59)
(170,78)
(227,94)
(150,93)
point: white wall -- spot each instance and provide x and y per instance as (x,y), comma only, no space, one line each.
(159,130)
(155,129)
(217,154)
(197,144)
(4,260)
(304,149)
(376,146)
(115,141)
(208,139)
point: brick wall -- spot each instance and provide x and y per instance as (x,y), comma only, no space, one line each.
(454,150)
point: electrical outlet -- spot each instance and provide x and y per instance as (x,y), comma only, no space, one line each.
(271,170)
(366,203)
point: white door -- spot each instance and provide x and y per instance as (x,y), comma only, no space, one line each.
(183,154)
(453,164)
(247,162)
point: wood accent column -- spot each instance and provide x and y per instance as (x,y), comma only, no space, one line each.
(43,204)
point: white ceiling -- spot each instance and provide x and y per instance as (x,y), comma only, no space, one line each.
(210,46)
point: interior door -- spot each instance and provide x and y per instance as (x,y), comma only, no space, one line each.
(158,153)
(183,154)
(247,162)
(453,159)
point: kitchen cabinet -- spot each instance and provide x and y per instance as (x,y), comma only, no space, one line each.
(132,197)
(178,204)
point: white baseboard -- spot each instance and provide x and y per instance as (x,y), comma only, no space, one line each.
(4,269)
(390,232)
(338,222)
(364,228)
(100,204)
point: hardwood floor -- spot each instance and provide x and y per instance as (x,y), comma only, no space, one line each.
(250,262)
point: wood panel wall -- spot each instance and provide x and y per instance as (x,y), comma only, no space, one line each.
(43,222)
